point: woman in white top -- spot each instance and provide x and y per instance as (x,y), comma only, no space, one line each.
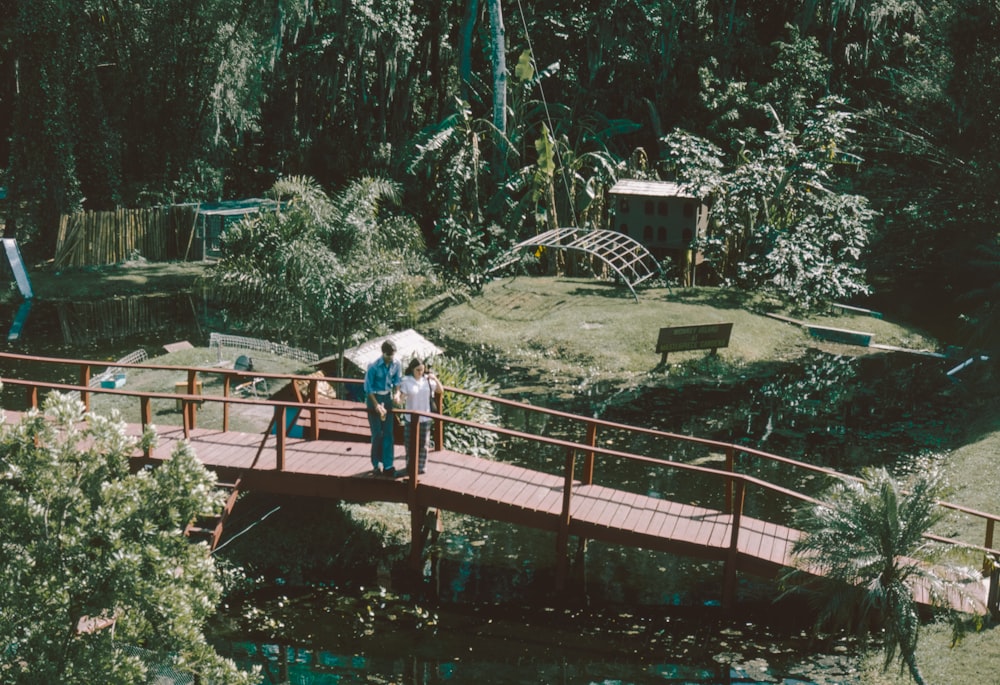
(416,389)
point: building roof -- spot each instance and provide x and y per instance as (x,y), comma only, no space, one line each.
(631,186)
(408,343)
(236,207)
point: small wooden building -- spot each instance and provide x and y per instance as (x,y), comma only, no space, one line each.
(665,217)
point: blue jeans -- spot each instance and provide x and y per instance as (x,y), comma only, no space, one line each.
(382,439)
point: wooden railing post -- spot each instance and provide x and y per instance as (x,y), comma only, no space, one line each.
(227,380)
(314,412)
(33,403)
(85,382)
(562,535)
(145,418)
(192,407)
(438,402)
(987,561)
(186,418)
(727,505)
(279,434)
(587,477)
(732,555)
(413,447)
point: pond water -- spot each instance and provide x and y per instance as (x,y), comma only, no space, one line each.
(108,329)
(483,607)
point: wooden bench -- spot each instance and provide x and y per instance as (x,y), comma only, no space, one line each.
(707,336)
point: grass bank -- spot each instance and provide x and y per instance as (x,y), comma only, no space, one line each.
(114,280)
(565,331)
(242,417)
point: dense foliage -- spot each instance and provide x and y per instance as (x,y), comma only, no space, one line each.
(99,584)
(100,106)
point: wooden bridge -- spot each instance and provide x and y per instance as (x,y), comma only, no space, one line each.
(330,459)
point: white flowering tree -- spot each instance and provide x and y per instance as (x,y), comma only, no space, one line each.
(99,584)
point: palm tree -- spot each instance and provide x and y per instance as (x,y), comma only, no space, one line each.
(327,269)
(867,542)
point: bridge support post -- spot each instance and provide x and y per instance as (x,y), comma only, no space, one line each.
(729,570)
(418,535)
(562,535)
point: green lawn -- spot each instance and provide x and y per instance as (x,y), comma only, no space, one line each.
(566,329)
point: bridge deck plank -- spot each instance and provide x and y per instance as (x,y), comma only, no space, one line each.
(623,511)
(616,503)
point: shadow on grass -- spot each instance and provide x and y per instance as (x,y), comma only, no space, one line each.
(720,298)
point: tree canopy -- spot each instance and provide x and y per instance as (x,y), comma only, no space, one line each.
(101,107)
(320,269)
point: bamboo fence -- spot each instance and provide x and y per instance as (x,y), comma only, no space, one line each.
(98,238)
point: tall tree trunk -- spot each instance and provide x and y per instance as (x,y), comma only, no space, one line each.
(465,50)
(499,67)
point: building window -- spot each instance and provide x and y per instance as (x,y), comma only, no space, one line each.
(689,209)
(647,233)
(661,234)
(649,207)
(623,228)
(623,205)
(686,236)
(662,208)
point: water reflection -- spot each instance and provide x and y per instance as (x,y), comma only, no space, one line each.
(107,324)
(523,644)
(107,329)
(288,664)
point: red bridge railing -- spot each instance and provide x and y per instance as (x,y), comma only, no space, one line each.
(582,458)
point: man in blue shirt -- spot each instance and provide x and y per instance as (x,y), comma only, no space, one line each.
(382,381)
